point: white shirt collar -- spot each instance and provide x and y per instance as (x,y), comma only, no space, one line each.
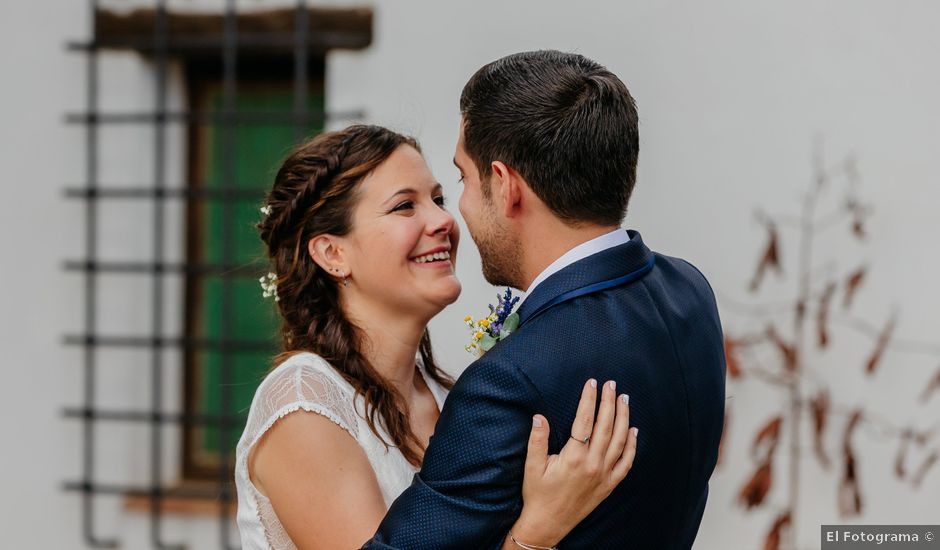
(616,237)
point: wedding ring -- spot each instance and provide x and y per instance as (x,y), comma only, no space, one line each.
(586,440)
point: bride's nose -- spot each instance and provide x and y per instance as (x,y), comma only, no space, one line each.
(441,221)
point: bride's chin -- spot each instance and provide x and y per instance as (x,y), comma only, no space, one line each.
(448,297)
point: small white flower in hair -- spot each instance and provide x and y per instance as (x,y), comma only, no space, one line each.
(266,210)
(269,286)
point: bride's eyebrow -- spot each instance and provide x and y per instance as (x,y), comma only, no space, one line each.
(409,191)
(406,191)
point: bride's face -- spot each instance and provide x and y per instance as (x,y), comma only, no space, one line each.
(403,245)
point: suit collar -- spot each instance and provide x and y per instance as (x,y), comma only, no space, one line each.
(611,267)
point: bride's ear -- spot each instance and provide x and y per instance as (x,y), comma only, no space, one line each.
(327,252)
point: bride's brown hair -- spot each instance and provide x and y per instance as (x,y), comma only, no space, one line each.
(314,193)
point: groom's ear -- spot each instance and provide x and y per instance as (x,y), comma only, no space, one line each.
(507,189)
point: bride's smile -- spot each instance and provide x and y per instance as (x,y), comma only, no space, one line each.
(402,248)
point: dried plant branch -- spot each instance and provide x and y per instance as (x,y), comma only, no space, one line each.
(918,478)
(788,351)
(819,405)
(850,496)
(755,490)
(770,258)
(880,346)
(777,531)
(932,386)
(822,315)
(918,347)
(852,284)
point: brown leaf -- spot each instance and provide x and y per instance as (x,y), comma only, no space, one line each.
(800,310)
(769,437)
(852,282)
(858,228)
(901,457)
(787,351)
(932,386)
(820,408)
(732,362)
(756,489)
(924,468)
(880,347)
(770,258)
(822,315)
(858,212)
(775,536)
(850,496)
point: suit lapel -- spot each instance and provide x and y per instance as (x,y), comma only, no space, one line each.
(615,266)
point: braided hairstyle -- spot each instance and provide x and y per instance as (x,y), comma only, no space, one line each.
(315,192)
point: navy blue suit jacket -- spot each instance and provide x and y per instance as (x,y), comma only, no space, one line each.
(628,314)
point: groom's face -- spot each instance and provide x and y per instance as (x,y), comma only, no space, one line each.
(499,250)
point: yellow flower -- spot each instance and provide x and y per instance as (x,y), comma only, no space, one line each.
(484,322)
(478,335)
(468,318)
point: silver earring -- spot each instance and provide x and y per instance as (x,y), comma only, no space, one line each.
(345,281)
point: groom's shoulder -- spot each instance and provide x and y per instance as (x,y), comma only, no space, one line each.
(680,270)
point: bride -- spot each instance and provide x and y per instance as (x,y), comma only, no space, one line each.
(363,251)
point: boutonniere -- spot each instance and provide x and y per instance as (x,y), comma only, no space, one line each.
(499,324)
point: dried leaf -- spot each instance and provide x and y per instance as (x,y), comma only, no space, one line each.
(769,437)
(932,386)
(732,362)
(822,315)
(775,536)
(800,310)
(756,489)
(787,351)
(770,258)
(820,408)
(858,228)
(852,282)
(850,497)
(880,347)
(858,213)
(901,457)
(924,468)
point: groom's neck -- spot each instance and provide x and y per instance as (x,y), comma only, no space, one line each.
(544,242)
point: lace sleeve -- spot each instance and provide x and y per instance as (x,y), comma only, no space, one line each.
(309,386)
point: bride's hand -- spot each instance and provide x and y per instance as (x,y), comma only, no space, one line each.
(560,490)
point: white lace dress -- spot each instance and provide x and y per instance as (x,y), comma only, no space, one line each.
(307,382)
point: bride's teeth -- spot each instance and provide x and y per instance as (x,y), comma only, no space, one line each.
(445,255)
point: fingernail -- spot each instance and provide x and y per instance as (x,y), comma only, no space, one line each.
(537,422)
(636,432)
(613,385)
(626,399)
(593,383)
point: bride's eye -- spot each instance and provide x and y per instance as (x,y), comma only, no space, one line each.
(406,205)
(441,201)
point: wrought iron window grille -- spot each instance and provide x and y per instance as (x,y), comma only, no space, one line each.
(232,47)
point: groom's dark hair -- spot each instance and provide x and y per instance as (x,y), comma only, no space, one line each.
(564,122)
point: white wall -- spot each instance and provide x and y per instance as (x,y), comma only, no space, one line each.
(732,98)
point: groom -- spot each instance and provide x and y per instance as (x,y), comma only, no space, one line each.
(547,151)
